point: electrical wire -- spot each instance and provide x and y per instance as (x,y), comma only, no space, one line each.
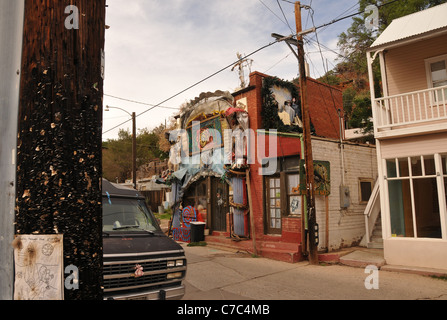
(138,102)
(354,14)
(324,100)
(307,19)
(195,84)
(254,52)
(277,1)
(324,68)
(278,62)
(273,13)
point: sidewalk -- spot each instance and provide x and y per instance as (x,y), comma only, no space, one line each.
(353,257)
(362,257)
(215,274)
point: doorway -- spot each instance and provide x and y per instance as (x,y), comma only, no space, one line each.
(273,204)
(219,204)
(210,197)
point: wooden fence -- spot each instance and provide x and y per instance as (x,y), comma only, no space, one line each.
(154,198)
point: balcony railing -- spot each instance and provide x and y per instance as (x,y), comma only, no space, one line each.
(412,109)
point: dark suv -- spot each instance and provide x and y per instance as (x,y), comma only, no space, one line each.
(140,261)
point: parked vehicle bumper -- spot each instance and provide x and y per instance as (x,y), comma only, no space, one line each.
(174,293)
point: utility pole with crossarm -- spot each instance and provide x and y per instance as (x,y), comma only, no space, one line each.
(310,188)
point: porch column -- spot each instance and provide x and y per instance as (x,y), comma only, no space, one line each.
(370,61)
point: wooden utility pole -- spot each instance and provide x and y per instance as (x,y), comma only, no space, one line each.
(310,188)
(59,162)
(134,150)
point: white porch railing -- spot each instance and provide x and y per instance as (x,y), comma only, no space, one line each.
(372,212)
(412,108)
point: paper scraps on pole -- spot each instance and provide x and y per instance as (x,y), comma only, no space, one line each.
(38,267)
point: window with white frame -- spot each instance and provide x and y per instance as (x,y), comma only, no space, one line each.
(437,76)
(282,194)
(416,190)
(273,204)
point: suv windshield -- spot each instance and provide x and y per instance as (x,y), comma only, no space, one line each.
(127,214)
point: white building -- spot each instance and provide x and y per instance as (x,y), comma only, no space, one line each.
(410,127)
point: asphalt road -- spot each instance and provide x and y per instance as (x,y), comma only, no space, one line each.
(222,275)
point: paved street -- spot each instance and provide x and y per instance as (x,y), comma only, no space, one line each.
(222,275)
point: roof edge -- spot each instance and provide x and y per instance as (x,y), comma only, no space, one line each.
(409,40)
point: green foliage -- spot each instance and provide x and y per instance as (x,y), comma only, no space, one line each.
(348,100)
(358,38)
(117,153)
(361,115)
(330,78)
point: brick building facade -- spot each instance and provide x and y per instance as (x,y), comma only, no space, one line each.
(273,221)
(338,227)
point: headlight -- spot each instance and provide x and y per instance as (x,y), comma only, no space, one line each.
(179,263)
(176,263)
(174,275)
(171,264)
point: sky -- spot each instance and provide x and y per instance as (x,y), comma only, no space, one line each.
(155,49)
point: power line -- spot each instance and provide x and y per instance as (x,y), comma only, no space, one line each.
(195,84)
(344,12)
(273,13)
(324,68)
(354,14)
(254,52)
(326,47)
(307,19)
(282,59)
(324,99)
(277,1)
(138,102)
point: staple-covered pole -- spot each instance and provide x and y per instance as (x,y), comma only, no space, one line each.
(310,195)
(60,134)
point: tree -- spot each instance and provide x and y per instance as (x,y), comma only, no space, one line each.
(117,153)
(358,38)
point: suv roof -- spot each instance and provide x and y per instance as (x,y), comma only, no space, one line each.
(116,190)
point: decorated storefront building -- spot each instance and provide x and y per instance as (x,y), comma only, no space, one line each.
(237,164)
(208,166)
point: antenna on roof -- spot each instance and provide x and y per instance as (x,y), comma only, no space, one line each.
(241,64)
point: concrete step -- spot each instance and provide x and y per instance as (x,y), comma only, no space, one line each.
(363,258)
(334,257)
(375,245)
(283,251)
(377,233)
(416,270)
(378,239)
(224,242)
